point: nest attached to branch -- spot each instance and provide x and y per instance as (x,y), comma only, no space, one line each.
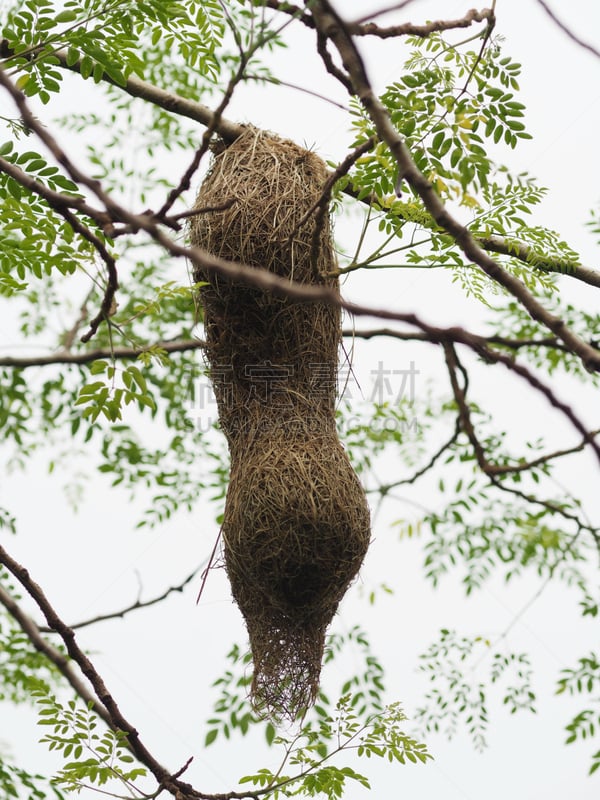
(296,526)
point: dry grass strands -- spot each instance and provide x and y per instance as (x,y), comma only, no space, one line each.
(296,525)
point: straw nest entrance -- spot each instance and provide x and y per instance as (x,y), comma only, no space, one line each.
(296,525)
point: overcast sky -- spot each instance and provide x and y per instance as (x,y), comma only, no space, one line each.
(159,664)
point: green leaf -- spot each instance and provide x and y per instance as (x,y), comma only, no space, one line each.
(72,56)
(66,16)
(210,737)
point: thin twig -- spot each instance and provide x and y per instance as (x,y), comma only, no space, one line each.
(384,488)
(139,604)
(88,356)
(567,30)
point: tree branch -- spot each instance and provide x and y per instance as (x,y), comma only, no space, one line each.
(86,357)
(169,101)
(385,488)
(229,132)
(409,29)
(54,199)
(412,336)
(283,287)
(134,606)
(103,698)
(363,27)
(499,244)
(60,661)
(567,30)
(65,356)
(494,470)
(107,305)
(331,26)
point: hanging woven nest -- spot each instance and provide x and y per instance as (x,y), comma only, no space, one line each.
(296,525)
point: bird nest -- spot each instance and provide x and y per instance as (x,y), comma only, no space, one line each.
(296,524)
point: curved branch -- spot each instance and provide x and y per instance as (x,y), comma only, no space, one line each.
(363,27)
(229,131)
(134,606)
(494,470)
(60,661)
(54,199)
(107,306)
(65,356)
(567,30)
(101,698)
(409,29)
(169,101)
(385,488)
(331,26)
(410,336)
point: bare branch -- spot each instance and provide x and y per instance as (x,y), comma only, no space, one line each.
(101,698)
(68,338)
(365,27)
(60,661)
(385,488)
(86,357)
(493,470)
(409,29)
(567,30)
(327,60)
(65,356)
(213,126)
(107,305)
(134,606)
(549,342)
(344,167)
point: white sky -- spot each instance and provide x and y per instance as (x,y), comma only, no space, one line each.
(159,664)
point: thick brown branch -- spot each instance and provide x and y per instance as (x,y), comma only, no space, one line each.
(114,717)
(60,661)
(498,244)
(366,28)
(409,29)
(330,25)
(169,101)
